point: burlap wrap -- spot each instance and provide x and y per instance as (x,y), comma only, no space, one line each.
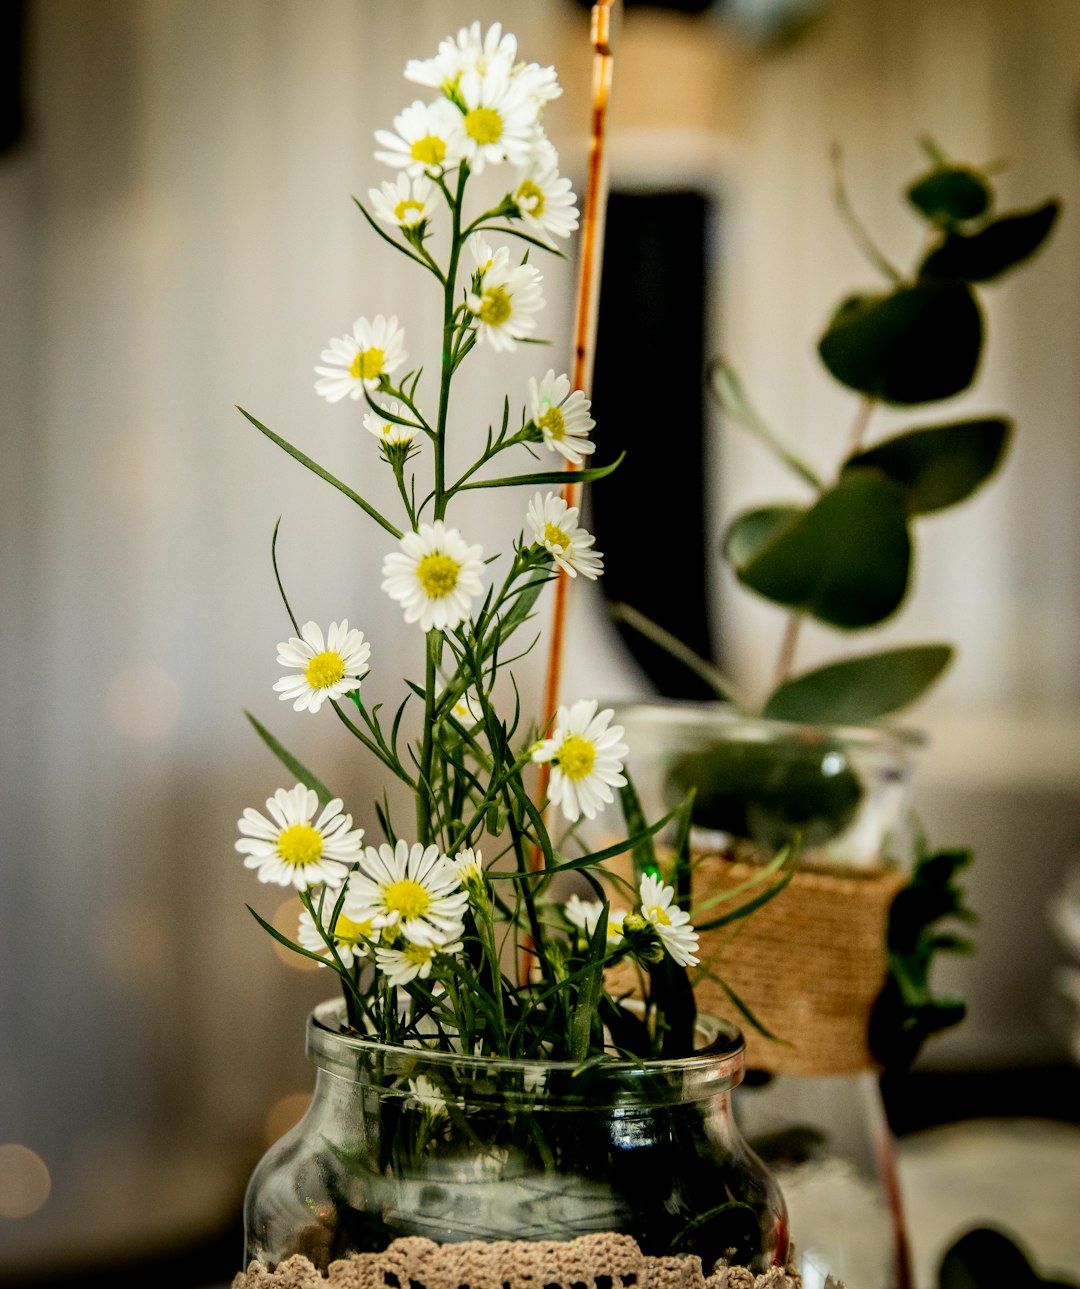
(602,1261)
(809,964)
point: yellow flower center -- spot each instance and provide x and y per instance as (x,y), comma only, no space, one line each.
(430,150)
(495,306)
(300,844)
(555,536)
(325,669)
(437,574)
(614,928)
(367,365)
(576,757)
(484,125)
(530,198)
(407,897)
(659,916)
(350,932)
(418,954)
(408,212)
(552,423)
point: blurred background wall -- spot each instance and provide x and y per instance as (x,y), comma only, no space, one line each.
(177,238)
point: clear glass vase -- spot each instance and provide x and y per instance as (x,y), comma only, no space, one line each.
(404,1142)
(811,963)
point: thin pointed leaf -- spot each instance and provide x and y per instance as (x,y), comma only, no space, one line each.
(290,762)
(589,991)
(315,468)
(277,577)
(554,477)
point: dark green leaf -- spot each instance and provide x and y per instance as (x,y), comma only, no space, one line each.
(939,465)
(857,690)
(950,194)
(845,560)
(592,983)
(291,763)
(915,345)
(987,254)
(908,1012)
(750,532)
(985,1259)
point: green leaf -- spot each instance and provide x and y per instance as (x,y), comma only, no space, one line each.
(559,477)
(291,763)
(857,690)
(749,533)
(592,984)
(315,468)
(845,560)
(939,465)
(950,194)
(914,345)
(984,1258)
(993,250)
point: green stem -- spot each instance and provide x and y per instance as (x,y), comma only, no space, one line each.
(425,797)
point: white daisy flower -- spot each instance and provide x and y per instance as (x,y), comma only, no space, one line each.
(374,349)
(468,864)
(413,962)
(586,759)
(425,1094)
(539,83)
(412,889)
(435,575)
(350,938)
(386,431)
(424,142)
(562,416)
(499,120)
(555,527)
(585,915)
(405,202)
(327,669)
(469,51)
(546,200)
(293,851)
(507,297)
(671,922)
(467,710)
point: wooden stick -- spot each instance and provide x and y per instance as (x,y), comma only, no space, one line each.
(592,246)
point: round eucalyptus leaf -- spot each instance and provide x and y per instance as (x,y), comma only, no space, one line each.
(845,560)
(749,533)
(987,254)
(939,465)
(985,1258)
(915,345)
(856,690)
(950,194)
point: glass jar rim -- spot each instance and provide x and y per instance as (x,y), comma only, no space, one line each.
(701,714)
(719,1064)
